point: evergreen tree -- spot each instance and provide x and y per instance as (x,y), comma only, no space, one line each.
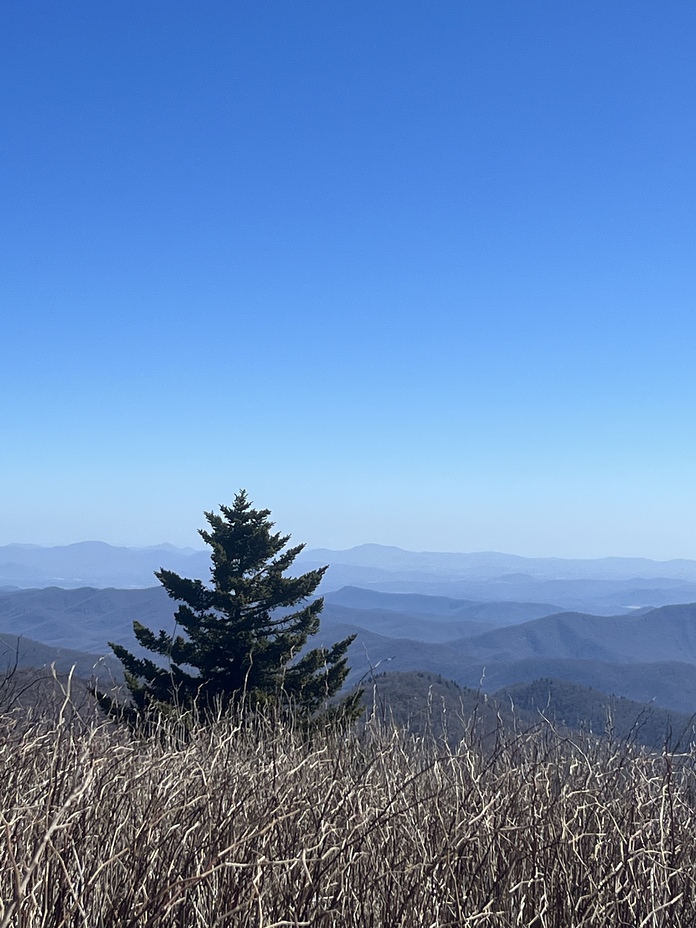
(240,636)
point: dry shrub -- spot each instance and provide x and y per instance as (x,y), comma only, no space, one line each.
(248,822)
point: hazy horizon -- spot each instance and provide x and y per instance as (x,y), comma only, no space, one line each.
(201,548)
(420,276)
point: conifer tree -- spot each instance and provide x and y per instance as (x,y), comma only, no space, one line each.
(239,637)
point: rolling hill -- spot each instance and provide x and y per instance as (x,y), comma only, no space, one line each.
(428,704)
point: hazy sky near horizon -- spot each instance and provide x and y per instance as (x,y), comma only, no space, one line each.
(412,273)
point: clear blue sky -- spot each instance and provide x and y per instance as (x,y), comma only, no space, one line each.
(413,273)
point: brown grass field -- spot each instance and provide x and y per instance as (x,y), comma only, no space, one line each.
(248,822)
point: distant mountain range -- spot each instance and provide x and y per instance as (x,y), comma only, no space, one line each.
(94,563)
(606,586)
(646,655)
(490,564)
(485,620)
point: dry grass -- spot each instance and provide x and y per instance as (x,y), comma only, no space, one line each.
(247,823)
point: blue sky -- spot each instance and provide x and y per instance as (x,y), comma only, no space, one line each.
(417,274)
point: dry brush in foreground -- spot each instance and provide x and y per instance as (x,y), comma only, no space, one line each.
(248,823)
